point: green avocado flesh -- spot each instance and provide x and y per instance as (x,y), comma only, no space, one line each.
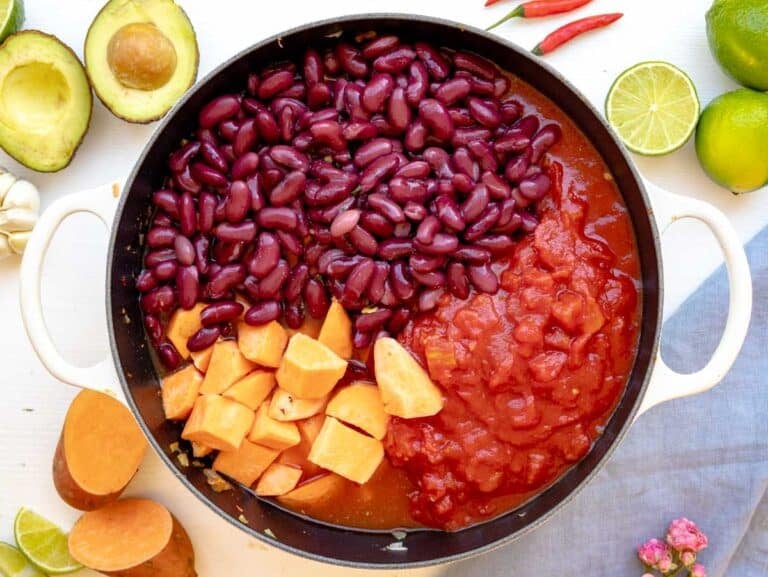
(45,100)
(141,56)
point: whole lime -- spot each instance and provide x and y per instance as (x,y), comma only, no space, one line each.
(738,37)
(732,140)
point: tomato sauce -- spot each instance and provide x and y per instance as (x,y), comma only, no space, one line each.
(531,374)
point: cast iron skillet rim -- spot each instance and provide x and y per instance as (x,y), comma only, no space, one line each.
(372,17)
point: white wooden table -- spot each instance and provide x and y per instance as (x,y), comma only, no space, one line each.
(33,403)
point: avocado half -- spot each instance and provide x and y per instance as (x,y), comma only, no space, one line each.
(45,100)
(141,56)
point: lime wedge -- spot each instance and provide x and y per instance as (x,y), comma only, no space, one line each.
(43,543)
(654,108)
(14,564)
(11,17)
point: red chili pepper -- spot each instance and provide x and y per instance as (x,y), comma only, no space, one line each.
(570,31)
(539,9)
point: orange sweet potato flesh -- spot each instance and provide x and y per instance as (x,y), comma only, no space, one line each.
(99,451)
(133,538)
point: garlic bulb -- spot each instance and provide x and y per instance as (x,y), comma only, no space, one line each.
(19,208)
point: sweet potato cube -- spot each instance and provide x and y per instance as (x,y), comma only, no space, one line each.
(405,387)
(227,366)
(310,428)
(273,433)
(263,345)
(252,389)
(278,479)
(336,332)
(310,327)
(309,369)
(313,491)
(179,392)
(297,456)
(286,406)
(201,359)
(218,423)
(199,450)
(184,324)
(360,405)
(346,452)
(246,464)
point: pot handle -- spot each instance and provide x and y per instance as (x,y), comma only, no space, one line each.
(102,202)
(666,384)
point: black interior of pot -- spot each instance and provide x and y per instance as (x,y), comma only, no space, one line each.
(140,379)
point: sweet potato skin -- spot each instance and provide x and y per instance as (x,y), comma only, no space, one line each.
(70,492)
(177,559)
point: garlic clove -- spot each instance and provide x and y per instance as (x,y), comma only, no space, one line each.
(18,241)
(23,194)
(17,220)
(5,247)
(6,182)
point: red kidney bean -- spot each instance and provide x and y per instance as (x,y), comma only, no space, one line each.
(228,130)
(361,340)
(279,218)
(255,187)
(378,279)
(169,356)
(313,67)
(294,315)
(167,201)
(497,188)
(449,214)
(529,222)
(225,280)
(329,256)
(485,112)
(185,182)
(399,280)
(379,46)
(146,281)
(289,157)
(472,254)
(154,328)
(544,140)
(363,241)
(201,244)
(394,61)
(161,236)
(414,169)
(389,299)
(266,256)
(483,224)
(394,248)
(286,120)
(331,63)
(437,66)
(242,232)
(508,209)
(511,110)
(351,61)
(357,282)
(289,189)
(228,152)
(179,160)
(517,166)
(302,141)
(439,160)
(274,84)
(386,207)
(297,280)
(270,285)
(462,119)
(238,202)
(246,138)
(414,212)
(290,243)
(213,157)
(483,153)
(398,320)
(398,112)
(353,95)
(377,171)
(453,91)
(372,150)
(402,230)
(220,312)
(418,83)
(187,214)
(376,92)
(436,118)
(203,338)
(207,135)
(483,278)
(463,162)
(296,90)
(432,279)
(267,127)
(457,281)
(475,203)
(250,106)
(513,141)
(228,252)
(377,225)
(462,183)
(425,263)
(442,243)
(207,175)
(535,187)
(318,96)
(206,209)
(372,322)
(165,270)
(463,136)
(162,219)
(415,136)
(344,222)
(429,299)
(270,178)
(327,215)
(496,243)
(316,299)
(262,313)
(480,87)
(474,64)
(158,301)
(252,84)
(329,132)
(427,230)
(359,131)
(218,110)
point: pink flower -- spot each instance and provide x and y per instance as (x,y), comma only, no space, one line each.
(657,555)
(698,570)
(688,558)
(684,535)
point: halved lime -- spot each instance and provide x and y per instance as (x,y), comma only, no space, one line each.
(14,564)
(653,106)
(11,17)
(43,543)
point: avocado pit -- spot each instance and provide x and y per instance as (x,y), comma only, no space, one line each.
(141,56)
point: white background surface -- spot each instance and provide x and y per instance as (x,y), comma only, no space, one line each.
(34,404)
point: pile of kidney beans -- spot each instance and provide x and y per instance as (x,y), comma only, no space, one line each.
(380,173)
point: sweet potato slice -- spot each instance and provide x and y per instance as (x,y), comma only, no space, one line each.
(184,324)
(278,479)
(272,433)
(336,332)
(285,406)
(310,428)
(344,451)
(226,367)
(179,392)
(201,359)
(100,449)
(252,389)
(263,345)
(246,464)
(360,405)
(218,422)
(313,491)
(406,389)
(133,538)
(309,369)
